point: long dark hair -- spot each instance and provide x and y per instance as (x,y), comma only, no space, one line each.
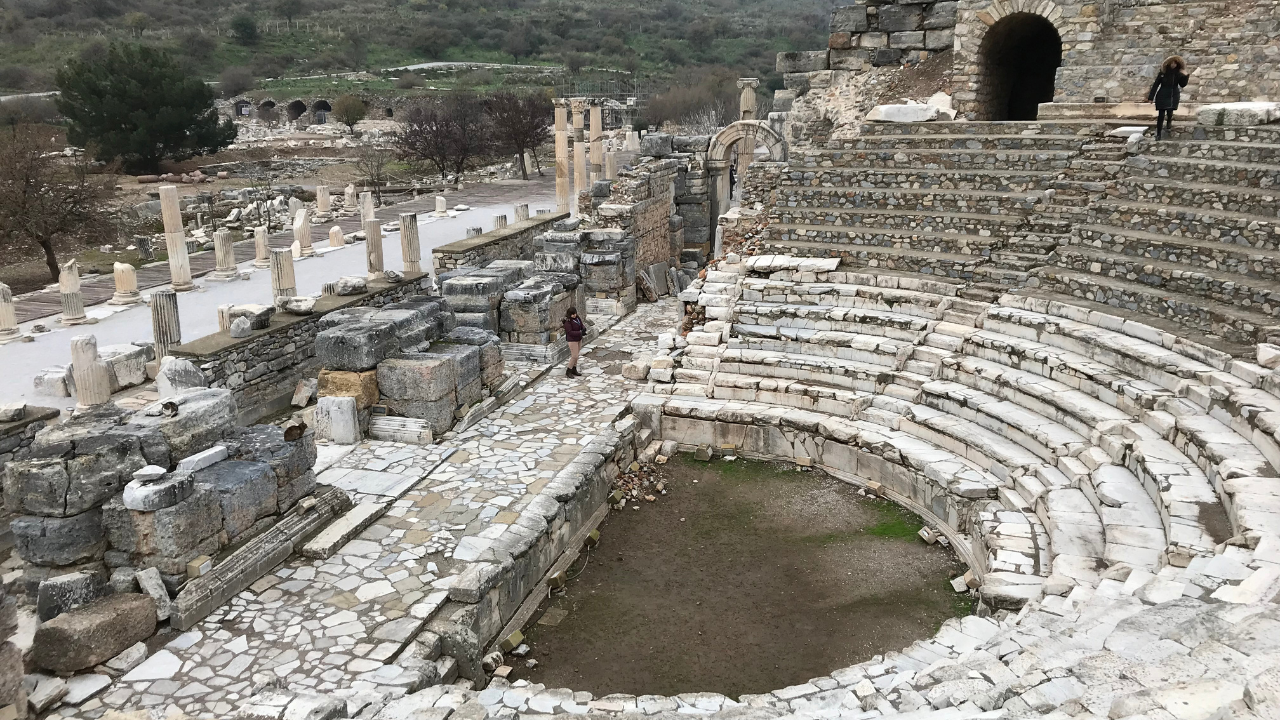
(570,313)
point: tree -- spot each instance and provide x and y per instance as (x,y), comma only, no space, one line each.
(140,105)
(244,29)
(46,200)
(289,8)
(448,133)
(234,81)
(348,110)
(516,43)
(520,122)
(371,162)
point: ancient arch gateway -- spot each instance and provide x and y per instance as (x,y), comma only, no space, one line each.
(1018,64)
(720,156)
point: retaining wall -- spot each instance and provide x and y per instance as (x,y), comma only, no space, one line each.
(514,242)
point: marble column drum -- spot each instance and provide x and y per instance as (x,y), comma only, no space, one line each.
(283,284)
(126,279)
(175,240)
(335,237)
(166,326)
(8,316)
(261,250)
(224,254)
(69,290)
(373,249)
(302,233)
(90,372)
(410,247)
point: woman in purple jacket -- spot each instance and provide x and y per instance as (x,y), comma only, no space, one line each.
(574,329)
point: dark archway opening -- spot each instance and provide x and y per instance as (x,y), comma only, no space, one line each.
(321,110)
(1018,66)
(391,112)
(296,109)
(243,108)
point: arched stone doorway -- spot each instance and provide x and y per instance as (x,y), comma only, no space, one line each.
(1018,64)
(296,109)
(266,109)
(753,133)
(321,109)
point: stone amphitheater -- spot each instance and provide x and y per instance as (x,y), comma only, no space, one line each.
(1052,337)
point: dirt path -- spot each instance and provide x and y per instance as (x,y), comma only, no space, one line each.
(744,578)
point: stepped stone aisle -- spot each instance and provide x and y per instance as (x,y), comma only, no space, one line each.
(343,626)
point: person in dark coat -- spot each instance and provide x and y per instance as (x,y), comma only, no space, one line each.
(574,329)
(1166,91)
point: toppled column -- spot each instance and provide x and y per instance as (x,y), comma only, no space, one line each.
(597,140)
(562,155)
(522,212)
(175,240)
(335,237)
(69,289)
(302,233)
(261,250)
(126,278)
(322,199)
(373,249)
(92,376)
(166,329)
(8,317)
(442,206)
(499,221)
(366,207)
(282,283)
(581,182)
(224,254)
(410,247)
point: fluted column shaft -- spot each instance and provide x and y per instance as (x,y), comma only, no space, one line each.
(91,375)
(166,328)
(282,283)
(175,240)
(410,247)
(373,249)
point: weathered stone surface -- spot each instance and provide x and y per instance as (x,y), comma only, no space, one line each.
(438,413)
(363,386)
(94,633)
(59,541)
(902,113)
(419,377)
(289,459)
(356,347)
(1238,114)
(900,18)
(337,419)
(149,496)
(66,592)
(151,584)
(246,492)
(202,417)
(802,62)
(166,538)
(288,494)
(259,316)
(655,145)
(350,285)
(240,328)
(850,19)
(178,374)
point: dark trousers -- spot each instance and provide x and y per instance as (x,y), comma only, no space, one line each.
(1164,118)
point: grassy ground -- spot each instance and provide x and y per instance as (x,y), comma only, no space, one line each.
(744,578)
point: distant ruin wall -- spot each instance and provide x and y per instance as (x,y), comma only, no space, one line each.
(514,242)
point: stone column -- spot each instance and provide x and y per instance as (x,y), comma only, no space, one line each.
(581,182)
(175,240)
(442,205)
(522,212)
(499,221)
(335,237)
(224,317)
(261,250)
(302,233)
(562,156)
(322,199)
(93,379)
(474,231)
(126,278)
(610,166)
(410,248)
(597,139)
(282,283)
(8,317)
(366,207)
(747,106)
(373,249)
(69,288)
(166,328)
(349,198)
(528,163)
(633,142)
(224,253)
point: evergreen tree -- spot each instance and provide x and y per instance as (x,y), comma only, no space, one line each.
(140,105)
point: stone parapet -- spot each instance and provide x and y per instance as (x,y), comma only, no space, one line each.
(512,242)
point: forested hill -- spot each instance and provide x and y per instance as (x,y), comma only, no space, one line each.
(272,38)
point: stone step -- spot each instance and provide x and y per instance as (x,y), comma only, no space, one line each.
(820,398)
(1047,438)
(1239,291)
(790,320)
(1022,181)
(956,141)
(1213,151)
(1232,198)
(1073,525)
(849,290)
(948,158)
(808,369)
(930,199)
(854,347)
(1056,127)
(1191,253)
(1218,172)
(885,237)
(1023,262)
(986,448)
(925,262)
(1259,231)
(923,221)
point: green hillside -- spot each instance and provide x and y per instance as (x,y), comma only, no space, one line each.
(652,41)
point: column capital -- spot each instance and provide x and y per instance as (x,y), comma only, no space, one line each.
(578,104)
(748,82)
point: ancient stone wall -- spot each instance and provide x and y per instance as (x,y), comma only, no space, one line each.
(261,370)
(513,242)
(641,203)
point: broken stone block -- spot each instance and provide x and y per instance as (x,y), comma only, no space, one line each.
(59,541)
(413,325)
(94,633)
(437,413)
(902,113)
(258,316)
(356,346)
(177,375)
(82,687)
(52,382)
(240,328)
(126,364)
(656,145)
(799,62)
(289,459)
(337,419)
(363,386)
(201,460)
(350,285)
(419,377)
(169,537)
(636,370)
(246,492)
(191,421)
(300,305)
(58,488)
(343,316)
(151,584)
(474,293)
(304,392)
(66,592)
(47,691)
(128,659)
(288,494)
(12,412)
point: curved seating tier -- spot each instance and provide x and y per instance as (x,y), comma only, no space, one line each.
(1059,447)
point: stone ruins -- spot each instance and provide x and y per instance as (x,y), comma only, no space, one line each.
(1008,309)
